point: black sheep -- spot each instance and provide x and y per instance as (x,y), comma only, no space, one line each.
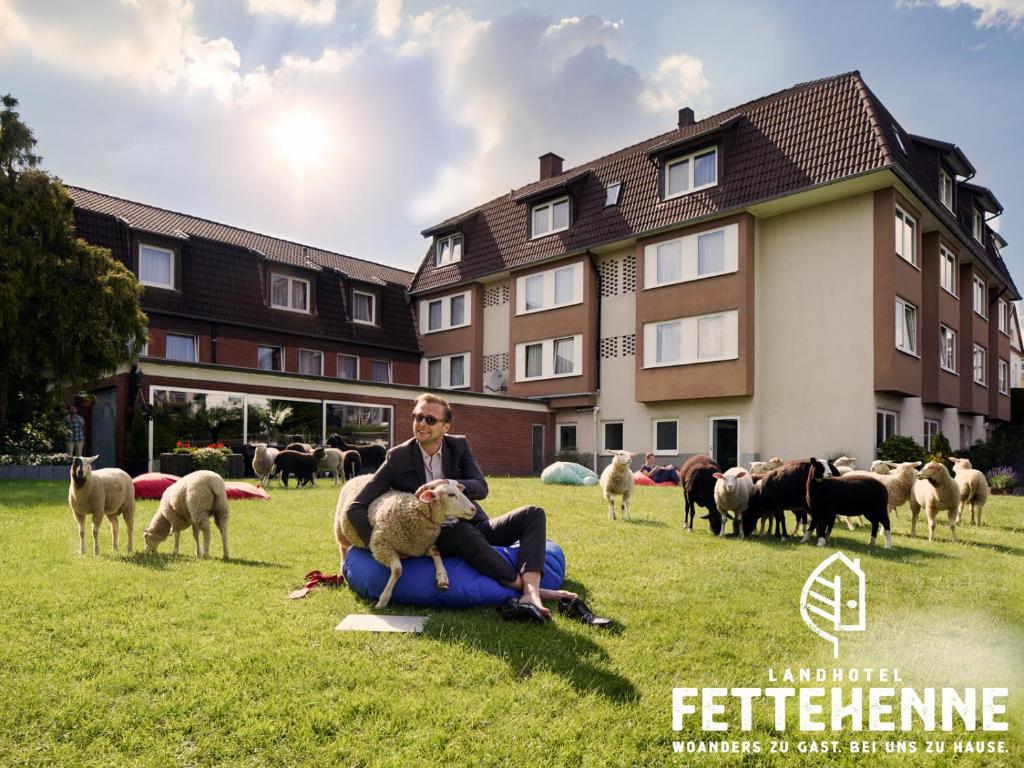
(781,489)
(697,476)
(845,495)
(302,465)
(372,456)
(300,447)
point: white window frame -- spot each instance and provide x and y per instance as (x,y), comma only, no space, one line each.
(1004,317)
(936,426)
(978,224)
(337,369)
(968,430)
(947,261)
(886,414)
(902,343)
(547,279)
(452,240)
(373,307)
(315,352)
(980,291)
(604,433)
(390,370)
(654,438)
(446,312)
(288,307)
(983,381)
(170,253)
(900,235)
(946,189)
(1004,376)
(613,194)
(550,205)
(269,346)
(942,347)
(691,170)
(558,431)
(195,346)
(445,361)
(689,257)
(547,357)
(688,340)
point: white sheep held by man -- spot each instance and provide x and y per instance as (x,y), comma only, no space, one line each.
(617,480)
(100,493)
(973,489)
(190,503)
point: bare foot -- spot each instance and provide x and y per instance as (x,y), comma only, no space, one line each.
(555,594)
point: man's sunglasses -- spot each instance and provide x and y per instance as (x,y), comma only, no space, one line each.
(431,420)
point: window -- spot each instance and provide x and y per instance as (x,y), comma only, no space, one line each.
(311,362)
(947,270)
(906,326)
(363,306)
(444,313)
(1004,317)
(381,371)
(979,364)
(978,225)
(434,373)
(448,250)
(906,236)
(692,257)
(564,355)
(947,349)
(965,436)
(348,367)
(1004,377)
(613,435)
(666,432)
(156,266)
(885,426)
(690,173)
(689,340)
(946,189)
(614,192)
(269,358)
(434,312)
(931,429)
(564,284)
(457,371)
(567,437)
(458,311)
(181,347)
(289,293)
(534,360)
(534,292)
(550,289)
(550,217)
(979,297)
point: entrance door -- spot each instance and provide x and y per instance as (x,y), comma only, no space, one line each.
(103,428)
(538,448)
(725,442)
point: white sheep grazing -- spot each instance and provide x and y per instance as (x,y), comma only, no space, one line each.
(617,480)
(935,490)
(732,496)
(403,524)
(263,463)
(899,482)
(973,488)
(99,493)
(845,464)
(190,503)
(880,467)
(332,463)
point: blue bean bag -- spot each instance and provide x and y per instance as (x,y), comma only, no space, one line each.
(418,584)
(568,473)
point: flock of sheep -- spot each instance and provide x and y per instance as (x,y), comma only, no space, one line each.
(816,491)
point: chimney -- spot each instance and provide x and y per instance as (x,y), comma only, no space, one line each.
(550,165)
(685,117)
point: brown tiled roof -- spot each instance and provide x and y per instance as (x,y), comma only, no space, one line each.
(813,133)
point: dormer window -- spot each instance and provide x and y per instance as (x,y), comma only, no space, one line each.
(946,189)
(364,307)
(691,173)
(550,217)
(288,292)
(978,225)
(614,192)
(448,250)
(156,266)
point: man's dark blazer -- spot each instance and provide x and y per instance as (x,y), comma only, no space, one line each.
(403,471)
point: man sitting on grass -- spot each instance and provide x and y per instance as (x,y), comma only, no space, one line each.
(667,474)
(433,456)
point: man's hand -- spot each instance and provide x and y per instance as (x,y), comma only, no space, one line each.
(430,486)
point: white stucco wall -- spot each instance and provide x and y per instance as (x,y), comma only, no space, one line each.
(496,327)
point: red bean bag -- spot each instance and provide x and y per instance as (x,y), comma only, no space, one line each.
(240,490)
(639,478)
(153,484)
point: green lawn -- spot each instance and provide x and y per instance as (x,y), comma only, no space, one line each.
(157,661)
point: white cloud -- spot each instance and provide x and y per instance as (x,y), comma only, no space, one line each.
(302,11)
(991,13)
(678,82)
(388,17)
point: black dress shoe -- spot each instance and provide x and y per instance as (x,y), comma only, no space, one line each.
(575,608)
(513,610)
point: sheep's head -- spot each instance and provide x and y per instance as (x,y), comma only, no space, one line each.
(727,482)
(962,464)
(447,500)
(81,469)
(157,531)
(846,461)
(818,470)
(620,457)
(934,472)
(753,512)
(318,453)
(880,467)
(906,468)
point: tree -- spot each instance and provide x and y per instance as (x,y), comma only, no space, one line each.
(69,312)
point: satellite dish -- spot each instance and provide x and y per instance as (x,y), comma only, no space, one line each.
(496,381)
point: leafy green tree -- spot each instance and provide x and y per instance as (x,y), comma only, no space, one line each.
(69,312)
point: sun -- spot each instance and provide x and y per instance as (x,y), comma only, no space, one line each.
(302,138)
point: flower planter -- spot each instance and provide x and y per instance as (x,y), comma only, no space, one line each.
(180,464)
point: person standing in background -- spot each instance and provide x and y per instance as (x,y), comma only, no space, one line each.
(75,425)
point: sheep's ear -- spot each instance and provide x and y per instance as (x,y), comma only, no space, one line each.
(427,496)
(718,475)
(90,459)
(461,487)
(706,517)
(609,451)
(741,473)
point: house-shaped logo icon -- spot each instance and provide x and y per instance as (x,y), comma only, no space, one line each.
(832,600)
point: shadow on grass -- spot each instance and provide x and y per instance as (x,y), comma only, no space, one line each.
(527,648)
(159,562)
(856,545)
(646,521)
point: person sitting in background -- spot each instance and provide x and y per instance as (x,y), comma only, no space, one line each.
(666,474)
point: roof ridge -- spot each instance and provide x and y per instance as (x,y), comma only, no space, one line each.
(237,228)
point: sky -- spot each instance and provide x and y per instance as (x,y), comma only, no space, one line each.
(353,125)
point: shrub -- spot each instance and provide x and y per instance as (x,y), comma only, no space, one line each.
(35,459)
(940,450)
(136,446)
(1000,450)
(212,459)
(1002,478)
(901,448)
